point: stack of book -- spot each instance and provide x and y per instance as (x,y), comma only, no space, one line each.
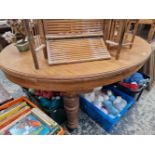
(21,119)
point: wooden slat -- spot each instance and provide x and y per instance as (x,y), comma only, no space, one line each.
(69,27)
(76,50)
(61,36)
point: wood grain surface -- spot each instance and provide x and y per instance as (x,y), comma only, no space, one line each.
(19,68)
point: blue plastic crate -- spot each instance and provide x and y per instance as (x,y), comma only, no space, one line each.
(99,116)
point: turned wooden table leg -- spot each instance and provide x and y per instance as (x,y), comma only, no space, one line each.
(71,106)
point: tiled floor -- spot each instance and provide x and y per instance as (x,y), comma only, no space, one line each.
(139,120)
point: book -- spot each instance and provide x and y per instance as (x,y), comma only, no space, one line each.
(10,107)
(46,119)
(29,125)
(11,118)
(54,130)
(4,129)
(12,111)
(49,121)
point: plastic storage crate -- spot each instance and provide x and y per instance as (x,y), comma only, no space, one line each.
(135,94)
(99,116)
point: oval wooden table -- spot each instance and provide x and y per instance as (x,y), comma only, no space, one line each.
(72,79)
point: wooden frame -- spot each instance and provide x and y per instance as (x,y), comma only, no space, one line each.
(116,34)
(150,22)
(36,44)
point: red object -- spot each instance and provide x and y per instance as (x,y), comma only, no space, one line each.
(47,94)
(132,86)
(33,123)
(38,93)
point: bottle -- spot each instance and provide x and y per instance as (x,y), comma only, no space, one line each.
(111,96)
(99,101)
(119,103)
(109,106)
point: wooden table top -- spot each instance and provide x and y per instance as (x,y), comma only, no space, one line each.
(19,68)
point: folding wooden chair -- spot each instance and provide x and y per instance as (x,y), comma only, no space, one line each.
(70,41)
(117,33)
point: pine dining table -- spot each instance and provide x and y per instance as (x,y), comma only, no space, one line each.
(72,79)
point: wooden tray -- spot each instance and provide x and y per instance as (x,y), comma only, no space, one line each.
(20,99)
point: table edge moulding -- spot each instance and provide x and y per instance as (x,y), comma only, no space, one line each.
(72,79)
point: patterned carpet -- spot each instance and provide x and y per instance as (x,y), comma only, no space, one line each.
(139,120)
